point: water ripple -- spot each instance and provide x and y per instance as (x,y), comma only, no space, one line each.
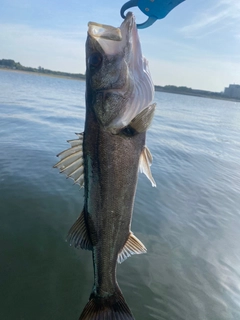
(190,223)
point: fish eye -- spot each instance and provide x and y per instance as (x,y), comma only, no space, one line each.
(128,131)
(95,60)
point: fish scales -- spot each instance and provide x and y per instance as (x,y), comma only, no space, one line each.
(119,91)
(109,194)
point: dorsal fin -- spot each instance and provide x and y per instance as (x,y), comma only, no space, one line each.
(132,246)
(144,164)
(71,161)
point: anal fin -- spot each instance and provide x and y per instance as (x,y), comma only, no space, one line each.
(145,163)
(132,246)
(78,234)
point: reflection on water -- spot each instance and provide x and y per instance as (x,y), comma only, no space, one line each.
(190,223)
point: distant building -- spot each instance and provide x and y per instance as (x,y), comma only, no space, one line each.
(233,91)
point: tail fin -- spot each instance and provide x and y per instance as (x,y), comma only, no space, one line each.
(110,308)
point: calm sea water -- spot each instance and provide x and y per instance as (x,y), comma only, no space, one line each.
(190,223)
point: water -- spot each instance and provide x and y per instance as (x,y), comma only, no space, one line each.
(190,223)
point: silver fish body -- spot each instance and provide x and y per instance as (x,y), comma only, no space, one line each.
(119,91)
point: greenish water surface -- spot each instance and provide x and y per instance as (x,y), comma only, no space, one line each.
(190,223)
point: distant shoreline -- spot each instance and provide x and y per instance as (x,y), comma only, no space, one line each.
(167,89)
(199,95)
(42,74)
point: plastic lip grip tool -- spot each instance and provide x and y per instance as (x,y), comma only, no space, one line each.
(154,9)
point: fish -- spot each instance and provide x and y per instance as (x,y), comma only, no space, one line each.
(105,159)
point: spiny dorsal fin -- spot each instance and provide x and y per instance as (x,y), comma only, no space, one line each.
(71,161)
(132,246)
(144,164)
(78,235)
(143,120)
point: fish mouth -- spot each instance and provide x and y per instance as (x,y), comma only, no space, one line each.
(114,40)
(104,31)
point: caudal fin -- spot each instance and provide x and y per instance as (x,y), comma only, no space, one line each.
(110,308)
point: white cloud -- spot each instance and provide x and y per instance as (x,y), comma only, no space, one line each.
(198,58)
(219,15)
(179,61)
(206,74)
(57,50)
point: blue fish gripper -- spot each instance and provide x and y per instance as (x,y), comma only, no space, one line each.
(154,9)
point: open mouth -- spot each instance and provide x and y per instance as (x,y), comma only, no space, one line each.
(97,30)
(111,39)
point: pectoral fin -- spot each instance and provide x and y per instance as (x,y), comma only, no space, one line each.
(132,246)
(143,120)
(144,164)
(78,235)
(71,161)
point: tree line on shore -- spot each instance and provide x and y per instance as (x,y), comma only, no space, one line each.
(11,64)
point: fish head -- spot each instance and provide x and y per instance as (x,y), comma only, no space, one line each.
(118,80)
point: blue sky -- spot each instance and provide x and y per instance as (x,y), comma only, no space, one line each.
(195,45)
